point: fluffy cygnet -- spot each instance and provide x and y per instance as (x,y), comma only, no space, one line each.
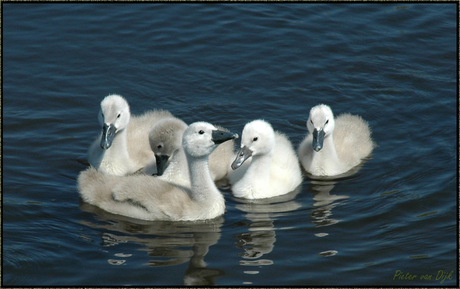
(334,146)
(123,146)
(170,162)
(146,197)
(274,169)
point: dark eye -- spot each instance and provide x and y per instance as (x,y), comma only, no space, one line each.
(326,121)
(201,132)
(311,121)
(254,139)
(159,146)
(118,116)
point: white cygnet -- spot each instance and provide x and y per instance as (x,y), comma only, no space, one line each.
(146,197)
(170,163)
(334,146)
(274,169)
(123,146)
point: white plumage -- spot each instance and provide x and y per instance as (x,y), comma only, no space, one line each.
(334,146)
(274,169)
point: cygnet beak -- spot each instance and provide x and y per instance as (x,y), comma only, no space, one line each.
(220,136)
(243,154)
(318,138)
(161,161)
(108,133)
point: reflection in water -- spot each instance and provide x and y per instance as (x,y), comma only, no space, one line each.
(321,188)
(166,243)
(328,253)
(324,203)
(261,236)
(197,273)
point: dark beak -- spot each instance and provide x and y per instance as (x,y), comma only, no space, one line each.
(220,136)
(108,133)
(243,154)
(161,161)
(318,139)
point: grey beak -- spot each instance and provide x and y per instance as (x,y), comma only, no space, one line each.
(161,161)
(318,139)
(243,154)
(108,133)
(220,136)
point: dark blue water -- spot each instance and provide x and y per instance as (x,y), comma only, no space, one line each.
(394,64)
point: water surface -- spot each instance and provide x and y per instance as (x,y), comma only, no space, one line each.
(395,64)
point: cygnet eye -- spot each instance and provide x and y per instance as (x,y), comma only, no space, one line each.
(118,116)
(326,122)
(255,139)
(159,146)
(201,132)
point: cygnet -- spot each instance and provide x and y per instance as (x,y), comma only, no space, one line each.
(334,146)
(123,146)
(274,169)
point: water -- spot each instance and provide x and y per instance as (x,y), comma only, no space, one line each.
(394,64)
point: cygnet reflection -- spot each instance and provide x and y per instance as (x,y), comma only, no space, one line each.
(259,239)
(164,243)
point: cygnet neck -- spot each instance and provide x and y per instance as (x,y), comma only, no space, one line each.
(328,152)
(117,155)
(202,186)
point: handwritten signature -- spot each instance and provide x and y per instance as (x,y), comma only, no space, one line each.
(440,276)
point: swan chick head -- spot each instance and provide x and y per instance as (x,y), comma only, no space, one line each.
(258,138)
(165,138)
(320,124)
(201,138)
(113,117)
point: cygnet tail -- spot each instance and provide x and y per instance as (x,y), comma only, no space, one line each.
(92,186)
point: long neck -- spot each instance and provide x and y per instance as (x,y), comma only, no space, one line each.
(116,160)
(202,186)
(119,148)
